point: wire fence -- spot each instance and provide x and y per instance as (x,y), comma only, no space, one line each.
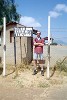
(24,53)
(56,52)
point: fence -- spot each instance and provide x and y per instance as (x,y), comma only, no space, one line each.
(57,53)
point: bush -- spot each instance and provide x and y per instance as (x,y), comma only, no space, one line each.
(62,65)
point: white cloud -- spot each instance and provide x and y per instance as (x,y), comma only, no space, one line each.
(29,21)
(57,11)
(54,14)
(61,7)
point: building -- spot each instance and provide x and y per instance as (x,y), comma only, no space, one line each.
(24,45)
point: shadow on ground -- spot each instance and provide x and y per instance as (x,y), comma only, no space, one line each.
(1,70)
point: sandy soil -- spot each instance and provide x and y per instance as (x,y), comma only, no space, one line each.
(28,87)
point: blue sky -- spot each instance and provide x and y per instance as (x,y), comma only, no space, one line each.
(35,13)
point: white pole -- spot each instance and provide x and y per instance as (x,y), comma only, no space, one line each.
(4,46)
(48,65)
(49,30)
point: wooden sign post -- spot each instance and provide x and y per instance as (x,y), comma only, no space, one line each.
(20,32)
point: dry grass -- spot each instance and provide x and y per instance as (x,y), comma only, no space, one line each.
(61,65)
(26,79)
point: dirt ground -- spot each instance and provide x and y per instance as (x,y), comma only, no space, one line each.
(33,87)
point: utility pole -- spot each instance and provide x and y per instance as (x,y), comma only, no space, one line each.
(4,46)
(48,65)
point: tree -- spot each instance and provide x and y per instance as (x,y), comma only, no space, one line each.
(8,9)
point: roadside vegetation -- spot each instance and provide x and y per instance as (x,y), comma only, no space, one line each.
(61,65)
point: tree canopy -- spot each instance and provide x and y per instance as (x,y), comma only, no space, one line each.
(8,9)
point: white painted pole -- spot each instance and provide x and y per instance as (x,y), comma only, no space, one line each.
(48,65)
(49,30)
(4,46)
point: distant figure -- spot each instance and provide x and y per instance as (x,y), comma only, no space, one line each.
(38,52)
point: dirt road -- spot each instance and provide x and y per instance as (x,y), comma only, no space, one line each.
(8,93)
(58,93)
(29,87)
